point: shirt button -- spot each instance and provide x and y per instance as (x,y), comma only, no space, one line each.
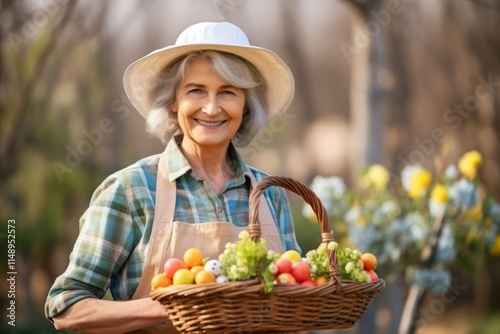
(219,209)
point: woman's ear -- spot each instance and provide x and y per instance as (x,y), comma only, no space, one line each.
(174,106)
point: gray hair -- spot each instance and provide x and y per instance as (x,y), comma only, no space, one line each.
(162,122)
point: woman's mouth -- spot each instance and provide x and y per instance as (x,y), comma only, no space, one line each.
(209,124)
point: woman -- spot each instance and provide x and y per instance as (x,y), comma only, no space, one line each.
(210,90)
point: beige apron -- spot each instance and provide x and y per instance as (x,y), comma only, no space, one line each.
(171,239)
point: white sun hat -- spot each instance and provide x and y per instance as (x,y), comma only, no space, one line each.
(140,77)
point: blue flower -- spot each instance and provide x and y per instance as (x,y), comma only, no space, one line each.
(436,280)
(327,188)
(363,237)
(495,226)
(387,211)
(330,191)
(446,245)
(464,195)
(419,227)
(451,172)
(400,231)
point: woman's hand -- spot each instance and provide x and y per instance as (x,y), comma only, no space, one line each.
(103,316)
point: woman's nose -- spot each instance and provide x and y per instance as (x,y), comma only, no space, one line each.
(211,106)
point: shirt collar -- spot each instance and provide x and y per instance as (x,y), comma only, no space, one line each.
(178,165)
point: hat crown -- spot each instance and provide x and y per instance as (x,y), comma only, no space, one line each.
(223,33)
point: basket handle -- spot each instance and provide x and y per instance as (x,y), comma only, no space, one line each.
(310,198)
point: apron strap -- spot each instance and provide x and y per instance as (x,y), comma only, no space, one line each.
(160,240)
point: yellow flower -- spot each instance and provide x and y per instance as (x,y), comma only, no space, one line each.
(469,163)
(419,183)
(439,193)
(471,236)
(377,176)
(495,249)
(475,213)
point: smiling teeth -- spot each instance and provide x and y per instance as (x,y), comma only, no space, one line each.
(209,123)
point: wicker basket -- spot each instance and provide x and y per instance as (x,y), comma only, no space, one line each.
(237,307)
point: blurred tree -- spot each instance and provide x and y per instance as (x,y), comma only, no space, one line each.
(382,90)
(50,89)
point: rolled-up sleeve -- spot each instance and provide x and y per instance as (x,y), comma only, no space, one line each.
(103,245)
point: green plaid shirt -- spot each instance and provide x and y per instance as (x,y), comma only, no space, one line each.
(115,230)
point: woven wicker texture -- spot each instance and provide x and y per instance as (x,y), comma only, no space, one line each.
(238,307)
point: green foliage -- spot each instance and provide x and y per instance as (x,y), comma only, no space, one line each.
(348,259)
(245,259)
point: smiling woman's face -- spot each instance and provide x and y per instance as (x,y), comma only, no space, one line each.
(209,110)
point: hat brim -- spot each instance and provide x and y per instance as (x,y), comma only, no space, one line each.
(141,76)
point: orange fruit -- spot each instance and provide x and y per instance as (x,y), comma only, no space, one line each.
(160,280)
(320,280)
(193,257)
(183,276)
(203,277)
(369,261)
(196,269)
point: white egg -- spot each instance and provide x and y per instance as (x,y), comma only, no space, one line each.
(213,266)
(221,279)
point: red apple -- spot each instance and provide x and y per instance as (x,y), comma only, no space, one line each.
(172,265)
(308,283)
(284,266)
(286,278)
(301,271)
(373,275)
(273,269)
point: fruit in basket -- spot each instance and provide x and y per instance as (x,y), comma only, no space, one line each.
(183,276)
(351,266)
(286,278)
(291,255)
(203,277)
(273,269)
(197,269)
(369,261)
(193,257)
(372,275)
(284,265)
(213,266)
(301,271)
(308,283)
(172,265)
(160,281)
(321,280)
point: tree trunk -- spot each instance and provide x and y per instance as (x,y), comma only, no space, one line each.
(410,319)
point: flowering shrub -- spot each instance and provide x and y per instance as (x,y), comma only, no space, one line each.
(418,225)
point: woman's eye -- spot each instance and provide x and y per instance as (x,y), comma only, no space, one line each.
(195,91)
(228,92)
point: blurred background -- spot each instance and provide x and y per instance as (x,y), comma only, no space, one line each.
(381,81)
